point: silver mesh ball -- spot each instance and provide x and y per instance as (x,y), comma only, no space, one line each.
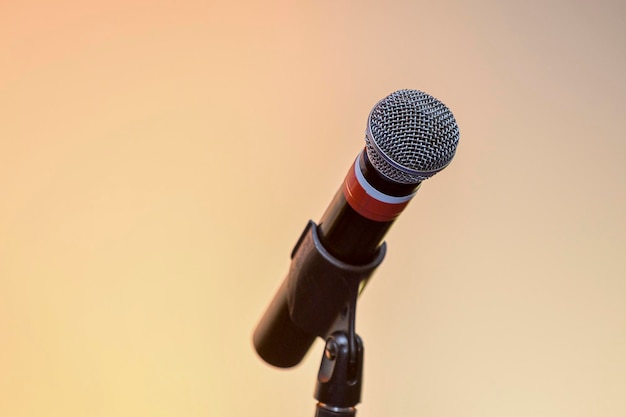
(410,136)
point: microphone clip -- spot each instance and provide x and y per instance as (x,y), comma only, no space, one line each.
(316,299)
(321,287)
(323,277)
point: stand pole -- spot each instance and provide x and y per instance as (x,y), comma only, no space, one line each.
(338,389)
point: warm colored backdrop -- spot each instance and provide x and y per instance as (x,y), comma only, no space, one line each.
(158,160)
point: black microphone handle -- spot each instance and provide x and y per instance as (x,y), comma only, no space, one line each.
(348,245)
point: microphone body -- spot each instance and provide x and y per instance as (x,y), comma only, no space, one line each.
(332,259)
(328,261)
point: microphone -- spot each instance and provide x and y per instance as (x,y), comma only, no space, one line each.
(410,136)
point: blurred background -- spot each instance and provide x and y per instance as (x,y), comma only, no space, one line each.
(159,160)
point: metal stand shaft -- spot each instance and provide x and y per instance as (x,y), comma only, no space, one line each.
(338,389)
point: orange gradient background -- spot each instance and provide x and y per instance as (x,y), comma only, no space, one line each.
(158,161)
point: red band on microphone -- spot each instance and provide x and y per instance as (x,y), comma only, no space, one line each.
(368,201)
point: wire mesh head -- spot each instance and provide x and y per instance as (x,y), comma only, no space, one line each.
(410,136)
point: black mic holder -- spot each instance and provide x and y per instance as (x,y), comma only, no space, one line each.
(322,293)
(339,379)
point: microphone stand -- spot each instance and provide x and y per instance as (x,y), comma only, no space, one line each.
(318,299)
(338,388)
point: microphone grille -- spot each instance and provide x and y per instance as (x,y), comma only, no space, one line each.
(410,136)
